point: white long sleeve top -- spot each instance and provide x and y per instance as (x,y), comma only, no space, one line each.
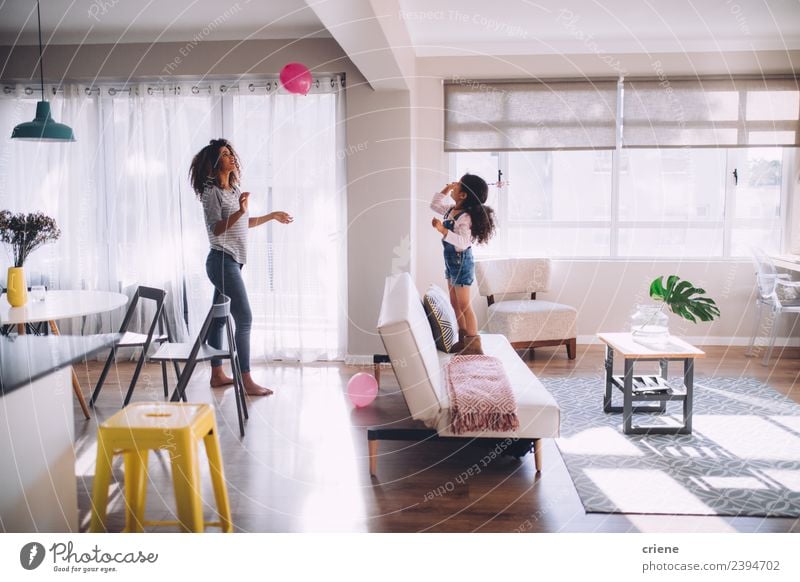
(461,235)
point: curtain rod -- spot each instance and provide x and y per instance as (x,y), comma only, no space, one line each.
(269,83)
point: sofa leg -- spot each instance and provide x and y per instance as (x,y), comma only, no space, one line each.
(377,360)
(537,454)
(373,457)
(571,345)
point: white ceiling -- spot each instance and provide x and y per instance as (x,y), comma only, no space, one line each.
(508,27)
(436,27)
(127,21)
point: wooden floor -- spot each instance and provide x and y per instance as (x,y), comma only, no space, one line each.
(302,465)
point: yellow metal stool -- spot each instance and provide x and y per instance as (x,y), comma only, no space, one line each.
(178,428)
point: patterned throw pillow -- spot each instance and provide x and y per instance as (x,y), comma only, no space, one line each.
(441,317)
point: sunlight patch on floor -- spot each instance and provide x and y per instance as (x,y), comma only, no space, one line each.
(790,422)
(599,441)
(749,437)
(679,524)
(634,489)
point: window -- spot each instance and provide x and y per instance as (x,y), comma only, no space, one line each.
(694,168)
(671,203)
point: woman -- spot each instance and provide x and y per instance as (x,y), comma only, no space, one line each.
(214,174)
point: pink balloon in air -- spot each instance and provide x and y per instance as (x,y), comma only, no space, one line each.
(362,389)
(296,78)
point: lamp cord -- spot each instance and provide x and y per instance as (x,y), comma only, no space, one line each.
(41,57)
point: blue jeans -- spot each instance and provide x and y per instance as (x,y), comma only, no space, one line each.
(226,276)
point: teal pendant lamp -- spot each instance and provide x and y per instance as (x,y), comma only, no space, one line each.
(43,127)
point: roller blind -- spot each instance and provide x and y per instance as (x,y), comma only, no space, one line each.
(711,113)
(503,116)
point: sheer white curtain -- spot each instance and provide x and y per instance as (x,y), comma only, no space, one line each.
(119,194)
(122,198)
(292,151)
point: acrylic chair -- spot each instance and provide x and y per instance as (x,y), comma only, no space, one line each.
(775,291)
(200,351)
(140,340)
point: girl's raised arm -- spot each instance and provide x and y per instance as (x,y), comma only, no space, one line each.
(439,203)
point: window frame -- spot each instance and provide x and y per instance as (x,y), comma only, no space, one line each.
(728,222)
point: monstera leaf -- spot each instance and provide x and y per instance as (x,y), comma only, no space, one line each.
(684,299)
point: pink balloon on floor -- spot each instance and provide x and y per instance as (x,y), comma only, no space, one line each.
(362,389)
(296,78)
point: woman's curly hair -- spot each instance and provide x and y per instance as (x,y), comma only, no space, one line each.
(204,170)
(483,217)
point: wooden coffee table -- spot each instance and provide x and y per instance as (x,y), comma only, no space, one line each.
(654,389)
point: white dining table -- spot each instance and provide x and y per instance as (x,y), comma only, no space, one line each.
(61,305)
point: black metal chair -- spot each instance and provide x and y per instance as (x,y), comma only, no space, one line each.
(140,340)
(200,351)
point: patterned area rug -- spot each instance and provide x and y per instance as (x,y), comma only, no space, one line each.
(742,458)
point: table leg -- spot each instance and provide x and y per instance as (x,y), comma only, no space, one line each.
(627,403)
(664,367)
(688,382)
(76,386)
(609,362)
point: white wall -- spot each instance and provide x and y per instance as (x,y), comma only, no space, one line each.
(379,209)
(604,292)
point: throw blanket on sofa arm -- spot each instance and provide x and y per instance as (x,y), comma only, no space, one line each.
(481,398)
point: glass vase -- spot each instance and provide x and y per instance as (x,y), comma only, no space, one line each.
(650,325)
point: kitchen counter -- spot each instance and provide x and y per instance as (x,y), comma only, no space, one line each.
(25,359)
(38,486)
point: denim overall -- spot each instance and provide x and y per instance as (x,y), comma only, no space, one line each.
(459,267)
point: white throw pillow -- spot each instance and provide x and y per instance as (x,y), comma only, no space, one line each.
(441,316)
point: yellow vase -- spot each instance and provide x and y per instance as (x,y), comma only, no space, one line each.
(17,289)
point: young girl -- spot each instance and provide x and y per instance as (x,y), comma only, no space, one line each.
(467,222)
(214,174)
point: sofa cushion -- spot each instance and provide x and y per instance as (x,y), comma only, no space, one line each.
(407,337)
(532,320)
(538,412)
(442,318)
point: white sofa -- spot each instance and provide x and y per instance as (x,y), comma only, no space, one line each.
(419,368)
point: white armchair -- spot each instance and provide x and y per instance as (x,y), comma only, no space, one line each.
(527,323)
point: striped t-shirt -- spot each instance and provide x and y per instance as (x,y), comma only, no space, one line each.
(219,204)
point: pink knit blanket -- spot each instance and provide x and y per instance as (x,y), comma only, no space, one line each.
(481,398)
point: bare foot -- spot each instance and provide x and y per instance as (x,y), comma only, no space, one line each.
(254,389)
(219,380)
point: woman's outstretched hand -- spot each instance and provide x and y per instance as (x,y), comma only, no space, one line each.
(282,217)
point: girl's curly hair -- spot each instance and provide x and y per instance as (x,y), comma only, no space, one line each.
(483,217)
(204,169)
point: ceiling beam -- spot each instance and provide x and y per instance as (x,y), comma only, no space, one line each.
(374,37)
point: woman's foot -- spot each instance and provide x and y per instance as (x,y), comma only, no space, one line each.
(219,378)
(253,389)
